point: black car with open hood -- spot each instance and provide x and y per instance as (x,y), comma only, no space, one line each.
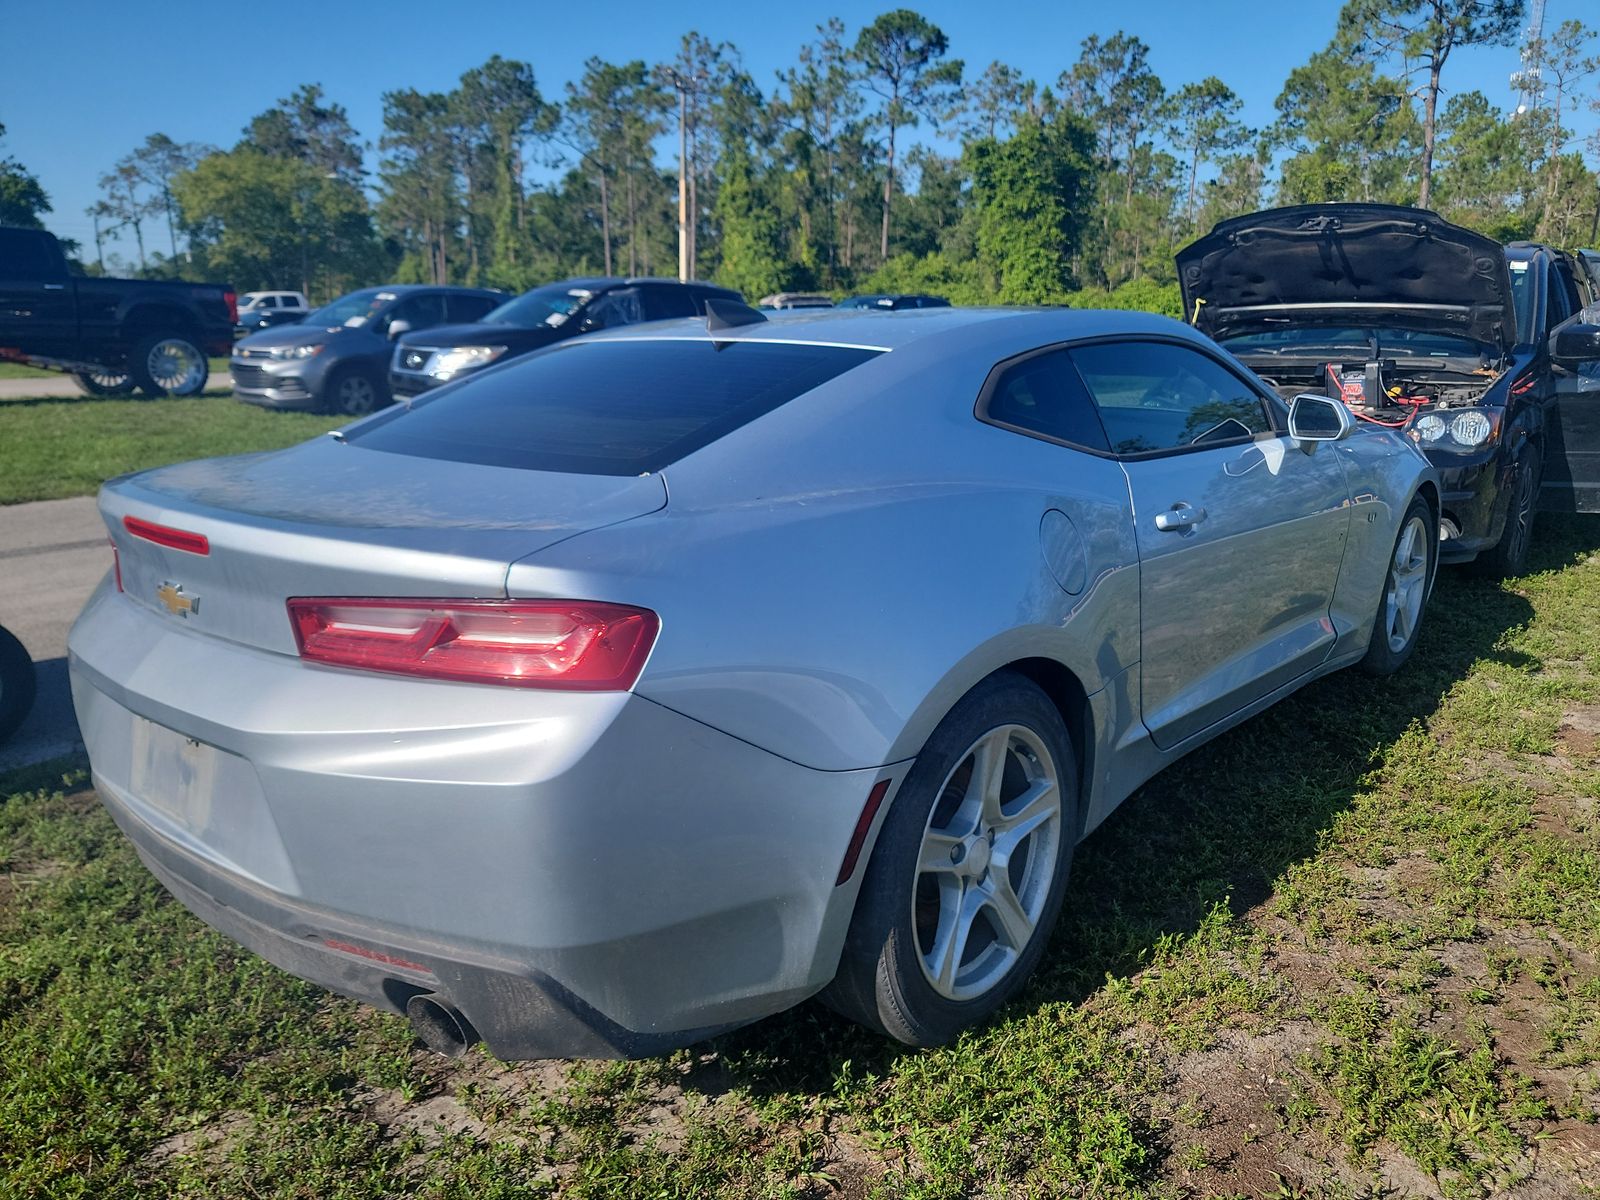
(1480,352)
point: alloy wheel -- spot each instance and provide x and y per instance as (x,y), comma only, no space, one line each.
(1408,584)
(175,366)
(987,862)
(357,397)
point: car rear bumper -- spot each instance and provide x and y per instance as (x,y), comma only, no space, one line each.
(578,875)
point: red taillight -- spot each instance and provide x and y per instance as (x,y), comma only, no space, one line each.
(231,299)
(573,645)
(165,535)
(869,813)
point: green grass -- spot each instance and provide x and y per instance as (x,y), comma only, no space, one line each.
(55,448)
(1351,949)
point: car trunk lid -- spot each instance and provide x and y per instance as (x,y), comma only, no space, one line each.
(332,519)
(1348,265)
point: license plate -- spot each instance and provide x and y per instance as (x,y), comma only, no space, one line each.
(173,774)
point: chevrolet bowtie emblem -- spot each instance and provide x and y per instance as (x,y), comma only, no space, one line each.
(175,602)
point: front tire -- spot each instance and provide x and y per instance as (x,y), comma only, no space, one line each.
(1404,596)
(17,684)
(966,880)
(166,364)
(353,393)
(1509,556)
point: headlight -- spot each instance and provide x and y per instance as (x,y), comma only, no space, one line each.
(297,351)
(1471,428)
(1430,428)
(463,358)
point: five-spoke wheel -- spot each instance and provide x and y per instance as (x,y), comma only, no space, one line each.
(966,878)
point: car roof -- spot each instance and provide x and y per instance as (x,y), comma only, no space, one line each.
(878,330)
(601,283)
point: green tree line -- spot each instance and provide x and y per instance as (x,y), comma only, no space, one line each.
(877,160)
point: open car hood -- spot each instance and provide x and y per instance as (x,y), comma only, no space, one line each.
(1348,265)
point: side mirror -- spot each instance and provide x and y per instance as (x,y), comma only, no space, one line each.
(1314,418)
(396,328)
(1574,344)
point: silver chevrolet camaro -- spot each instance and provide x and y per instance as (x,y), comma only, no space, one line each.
(647,685)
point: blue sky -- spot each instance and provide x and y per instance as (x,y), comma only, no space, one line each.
(99,76)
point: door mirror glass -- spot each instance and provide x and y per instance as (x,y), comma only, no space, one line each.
(1576,343)
(397,327)
(1314,418)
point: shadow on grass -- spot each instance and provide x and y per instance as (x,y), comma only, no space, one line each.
(1223,824)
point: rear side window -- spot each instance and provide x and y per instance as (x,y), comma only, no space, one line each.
(470,308)
(26,255)
(1042,395)
(1156,397)
(607,408)
(663,303)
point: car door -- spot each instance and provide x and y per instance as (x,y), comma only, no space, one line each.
(1571,480)
(1240,532)
(38,305)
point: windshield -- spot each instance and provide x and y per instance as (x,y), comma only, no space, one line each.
(354,310)
(546,306)
(1309,341)
(1522,297)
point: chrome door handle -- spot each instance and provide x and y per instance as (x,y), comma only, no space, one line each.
(1179,518)
(55,287)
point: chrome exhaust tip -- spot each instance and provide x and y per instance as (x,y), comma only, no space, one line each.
(439,1025)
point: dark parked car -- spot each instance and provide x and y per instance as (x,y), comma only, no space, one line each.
(112,335)
(17,683)
(336,359)
(895,301)
(539,318)
(1480,352)
(1589,260)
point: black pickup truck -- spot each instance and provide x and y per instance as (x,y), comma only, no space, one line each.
(111,335)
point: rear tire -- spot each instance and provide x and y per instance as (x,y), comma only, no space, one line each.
(168,364)
(103,383)
(1403,599)
(17,684)
(966,880)
(1509,556)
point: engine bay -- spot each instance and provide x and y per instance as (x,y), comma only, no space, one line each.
(1387,391)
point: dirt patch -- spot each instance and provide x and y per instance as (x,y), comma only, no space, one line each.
(208,1143)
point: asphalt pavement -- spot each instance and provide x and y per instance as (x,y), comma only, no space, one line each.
(63,386)
(52,554)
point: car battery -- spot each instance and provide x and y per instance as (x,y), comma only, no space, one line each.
(1360,387)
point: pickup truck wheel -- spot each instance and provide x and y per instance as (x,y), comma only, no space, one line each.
(354,393)
(103,383)
(17,684)
(166,364)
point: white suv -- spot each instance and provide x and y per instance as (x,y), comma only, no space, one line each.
(258,310)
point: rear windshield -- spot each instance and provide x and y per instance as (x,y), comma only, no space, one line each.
(608,407)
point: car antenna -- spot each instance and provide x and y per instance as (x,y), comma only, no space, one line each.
(730,314)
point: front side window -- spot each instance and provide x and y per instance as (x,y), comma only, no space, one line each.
(666,303)
(421,312)
(1042,395)
(1156,397)
(25,255)
(621,307)
(470,308)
